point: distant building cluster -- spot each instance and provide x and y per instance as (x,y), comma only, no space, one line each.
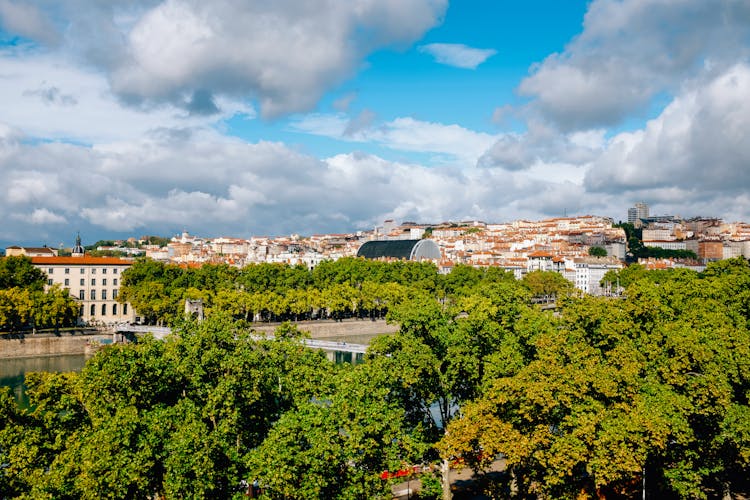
(559,244)
(710,239)
(636,213)
(582,249)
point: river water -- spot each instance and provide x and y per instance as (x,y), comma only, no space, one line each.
(13,371)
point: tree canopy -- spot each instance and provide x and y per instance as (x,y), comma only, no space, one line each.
(348,287)
(652,385)
(592,400)
(23,302)
(19,272)
(597,251)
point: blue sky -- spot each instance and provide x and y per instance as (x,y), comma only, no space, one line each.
(243,118)
(405,81)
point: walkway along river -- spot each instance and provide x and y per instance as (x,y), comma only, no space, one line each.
(344,342)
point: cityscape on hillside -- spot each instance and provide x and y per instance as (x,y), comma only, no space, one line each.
(581,248)
(375,249)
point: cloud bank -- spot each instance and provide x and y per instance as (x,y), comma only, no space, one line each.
(114,119)
(631,51)
(188,53)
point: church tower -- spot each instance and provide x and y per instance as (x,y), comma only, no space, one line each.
(78,248)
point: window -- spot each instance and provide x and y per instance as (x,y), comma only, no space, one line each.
(114,281)
(82,271)
(114,271)
(67,282)
(93,281)
(104,309)
(104,281)
(114,293)
(93,310)
(67,270)
(50,270)
(93,271)
(81,296)
(104,270)
(49,282)
(104,294)
(114,309)
(93,294)
(83,281)
(125,309)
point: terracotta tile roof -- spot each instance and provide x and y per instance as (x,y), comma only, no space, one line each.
(190,265)
(541,253)
(85,260)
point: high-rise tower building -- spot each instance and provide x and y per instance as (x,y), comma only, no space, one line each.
(639,211)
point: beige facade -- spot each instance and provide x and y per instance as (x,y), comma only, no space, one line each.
(16,251)
(657,235)
(94,282)
(666,244)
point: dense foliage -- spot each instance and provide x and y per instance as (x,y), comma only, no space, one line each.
(23,302)
(597,252)
(593,400)
(637,250)
(199,416)
(655,385)
(348,287)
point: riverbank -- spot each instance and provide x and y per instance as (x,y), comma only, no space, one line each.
(80,341)
(329,329)
(44,344)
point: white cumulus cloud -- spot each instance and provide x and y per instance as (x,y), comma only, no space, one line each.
(632,50)
(53,98)
(40,216)
(697,145)
(190,53)
(211,184)
(457,54)
(451,143)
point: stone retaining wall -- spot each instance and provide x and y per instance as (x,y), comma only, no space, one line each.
(336,328)
(48,345)
(51,345)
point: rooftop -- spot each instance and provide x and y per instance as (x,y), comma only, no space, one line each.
(85,260)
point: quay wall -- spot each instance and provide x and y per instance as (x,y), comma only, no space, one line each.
(326,328)
(33,346)
(30,345)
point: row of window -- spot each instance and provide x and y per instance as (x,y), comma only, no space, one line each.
(83,270)
(104,310)
(92,294)
(83,282)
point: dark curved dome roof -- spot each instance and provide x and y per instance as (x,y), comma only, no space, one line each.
(400,249)
(78,248)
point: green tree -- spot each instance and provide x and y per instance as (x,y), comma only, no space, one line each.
(55,308)
(618,388)
(461,279)
(16,308)
(336,445)
(438,360)
(597,251)
(547,284)
(176,417)
(18,272)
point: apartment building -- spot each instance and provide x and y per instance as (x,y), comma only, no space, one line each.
(666,244)
(94,281)
(589,273)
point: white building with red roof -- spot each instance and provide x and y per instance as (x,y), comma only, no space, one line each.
(93,281)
